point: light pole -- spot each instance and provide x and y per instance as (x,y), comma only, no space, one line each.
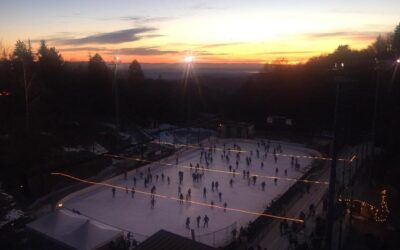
(373,128)
(26,94)
(187,74)
(27,86)
(378,68)
(116,94)
(332,176)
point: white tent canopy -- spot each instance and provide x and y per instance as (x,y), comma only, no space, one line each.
(75,231)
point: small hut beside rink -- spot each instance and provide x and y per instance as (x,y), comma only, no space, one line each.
(232,129)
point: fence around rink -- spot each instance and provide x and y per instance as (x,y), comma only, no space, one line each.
(219,238)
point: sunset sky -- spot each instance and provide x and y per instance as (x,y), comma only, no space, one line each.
(155,31)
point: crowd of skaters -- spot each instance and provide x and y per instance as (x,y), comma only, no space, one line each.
(198,170)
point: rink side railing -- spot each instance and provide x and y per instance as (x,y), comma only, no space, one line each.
(260,227)
(221,237)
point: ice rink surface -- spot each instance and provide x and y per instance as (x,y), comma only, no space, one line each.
(137,216)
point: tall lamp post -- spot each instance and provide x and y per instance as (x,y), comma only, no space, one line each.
(378,68)
(187,74)
(116,94)
(373,128)
(332,176)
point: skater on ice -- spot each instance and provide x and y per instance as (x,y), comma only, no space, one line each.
(198,219)
(206,219)
(187,223)
(181,199)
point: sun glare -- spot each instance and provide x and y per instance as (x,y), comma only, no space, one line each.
(188,59)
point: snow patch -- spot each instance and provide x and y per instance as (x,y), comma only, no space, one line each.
(96,148)
(11,216)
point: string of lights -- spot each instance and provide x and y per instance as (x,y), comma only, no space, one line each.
(379,214)
(176,199)
(219,171)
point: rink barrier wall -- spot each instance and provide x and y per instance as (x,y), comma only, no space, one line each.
(260,226)
(220,237)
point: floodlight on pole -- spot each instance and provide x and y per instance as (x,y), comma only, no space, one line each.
(116,94)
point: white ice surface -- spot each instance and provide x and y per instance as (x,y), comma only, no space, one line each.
(136,215)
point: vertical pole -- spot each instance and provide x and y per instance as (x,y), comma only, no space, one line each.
(332,177)
(357,156)
(213,239)
(351,210)
(350,165)
(343,172)
(340,233)
(373,129)
(116,96)
(116,104)
(26,96)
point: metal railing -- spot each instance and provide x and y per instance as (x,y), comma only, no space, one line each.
(219,238)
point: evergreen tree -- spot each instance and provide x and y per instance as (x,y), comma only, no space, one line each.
(50,60)
(136,74)
(97,68)
(22,52)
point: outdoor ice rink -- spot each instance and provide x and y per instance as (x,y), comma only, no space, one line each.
(137,216)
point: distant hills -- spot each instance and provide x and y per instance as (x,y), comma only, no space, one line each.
(174,71)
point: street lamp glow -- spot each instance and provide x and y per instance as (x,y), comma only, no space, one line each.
(398,60)
(188,59)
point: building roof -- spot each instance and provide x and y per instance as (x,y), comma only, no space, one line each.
(73,230)
(164,240)
(236,123)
